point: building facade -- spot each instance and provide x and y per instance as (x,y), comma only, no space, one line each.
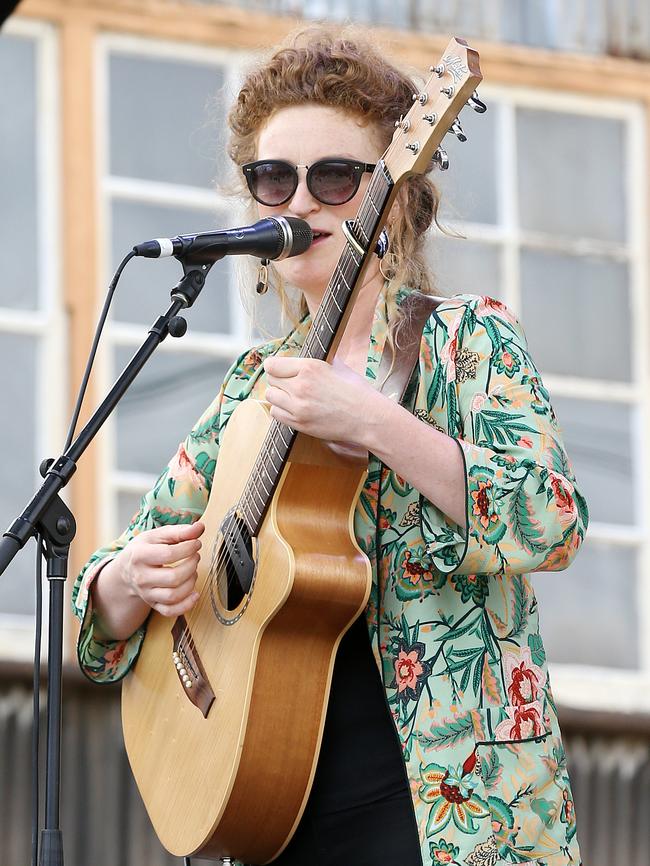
(112,132)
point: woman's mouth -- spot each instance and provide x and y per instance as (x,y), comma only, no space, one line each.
(319,237)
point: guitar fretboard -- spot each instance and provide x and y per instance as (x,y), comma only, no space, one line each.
(277,444)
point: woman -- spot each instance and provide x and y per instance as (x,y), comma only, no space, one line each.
(466,494)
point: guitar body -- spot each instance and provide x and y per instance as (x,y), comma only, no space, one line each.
(225,770)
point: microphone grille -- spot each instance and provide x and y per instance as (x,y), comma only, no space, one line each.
(302,235)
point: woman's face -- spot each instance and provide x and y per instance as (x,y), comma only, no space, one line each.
(301,135)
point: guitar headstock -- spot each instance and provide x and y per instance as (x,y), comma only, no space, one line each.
(435,110)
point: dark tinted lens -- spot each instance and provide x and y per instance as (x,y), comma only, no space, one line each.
(333,182)
(272,183)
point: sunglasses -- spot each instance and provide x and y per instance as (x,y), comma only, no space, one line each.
(273,182)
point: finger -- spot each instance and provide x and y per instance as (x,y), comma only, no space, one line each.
(171,594)
(283,367)
(167,554)
(284,417)
(172,534)
(177,609)
(278,397)
(175,575)
(278,382)
(148,577)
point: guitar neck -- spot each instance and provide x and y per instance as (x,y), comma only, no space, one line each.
(323,338)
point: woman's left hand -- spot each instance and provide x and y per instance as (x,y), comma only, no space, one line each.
(329,401)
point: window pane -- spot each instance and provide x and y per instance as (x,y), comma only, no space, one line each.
(127,505)
(19,469)
(566,300)
(161,406)
(469,187)
(461,266)
(555,195)
(589,613)
(166,123)
(18,220)
(598,440)
(143,290)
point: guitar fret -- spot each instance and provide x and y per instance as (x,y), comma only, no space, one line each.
(363,232)
(254,504)
(321,344)
(268,475)
(279,453)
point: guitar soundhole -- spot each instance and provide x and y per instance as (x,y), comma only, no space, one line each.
(233,567)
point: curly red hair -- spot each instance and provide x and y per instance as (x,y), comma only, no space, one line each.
(340,69)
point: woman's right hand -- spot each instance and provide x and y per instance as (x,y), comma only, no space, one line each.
(159,566)
(157,569)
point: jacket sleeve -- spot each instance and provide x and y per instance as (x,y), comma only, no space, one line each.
(180,495)
(524,510)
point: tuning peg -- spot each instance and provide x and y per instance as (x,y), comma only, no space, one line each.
(439,69)
(457,129)
(475,103)
(441,159)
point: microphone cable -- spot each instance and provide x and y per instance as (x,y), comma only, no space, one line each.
(36,695)
(38,620)
(93,351)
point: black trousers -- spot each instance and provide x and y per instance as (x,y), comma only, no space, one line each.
(379,834)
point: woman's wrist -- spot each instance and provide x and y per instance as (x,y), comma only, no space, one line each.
(117,609)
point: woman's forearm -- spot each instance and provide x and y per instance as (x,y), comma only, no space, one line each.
(429,460)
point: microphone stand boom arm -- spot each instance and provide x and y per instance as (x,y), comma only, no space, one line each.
(50,516)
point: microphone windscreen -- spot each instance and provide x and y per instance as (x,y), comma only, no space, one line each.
(302,235)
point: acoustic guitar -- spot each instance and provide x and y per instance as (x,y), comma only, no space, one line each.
(224,710)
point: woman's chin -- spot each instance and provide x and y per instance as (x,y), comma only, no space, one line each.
(311,281)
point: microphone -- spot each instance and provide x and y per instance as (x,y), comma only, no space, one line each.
(269,238)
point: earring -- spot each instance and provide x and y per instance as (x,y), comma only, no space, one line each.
(262,277)
(382,244)
(388,261)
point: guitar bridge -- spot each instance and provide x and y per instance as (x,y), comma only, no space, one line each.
(190,671)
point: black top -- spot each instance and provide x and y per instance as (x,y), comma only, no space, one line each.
(360,760)
(360,811)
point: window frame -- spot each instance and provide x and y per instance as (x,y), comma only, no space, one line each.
(223,346)
(510,238)
(46,323)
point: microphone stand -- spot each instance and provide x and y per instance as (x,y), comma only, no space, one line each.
(49,515)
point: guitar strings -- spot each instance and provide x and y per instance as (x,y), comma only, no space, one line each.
(216,568)
(194,616)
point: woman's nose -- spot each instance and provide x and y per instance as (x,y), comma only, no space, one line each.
(303,202)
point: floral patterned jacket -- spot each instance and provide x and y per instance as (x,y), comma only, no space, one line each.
(452,615)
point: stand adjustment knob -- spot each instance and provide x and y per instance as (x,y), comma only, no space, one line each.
(45,466)
(177,326)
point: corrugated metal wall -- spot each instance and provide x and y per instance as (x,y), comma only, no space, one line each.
(104,822)
(620,27)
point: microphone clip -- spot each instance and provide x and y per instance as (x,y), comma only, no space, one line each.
(262,277)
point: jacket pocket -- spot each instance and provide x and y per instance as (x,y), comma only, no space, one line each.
(523,767)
